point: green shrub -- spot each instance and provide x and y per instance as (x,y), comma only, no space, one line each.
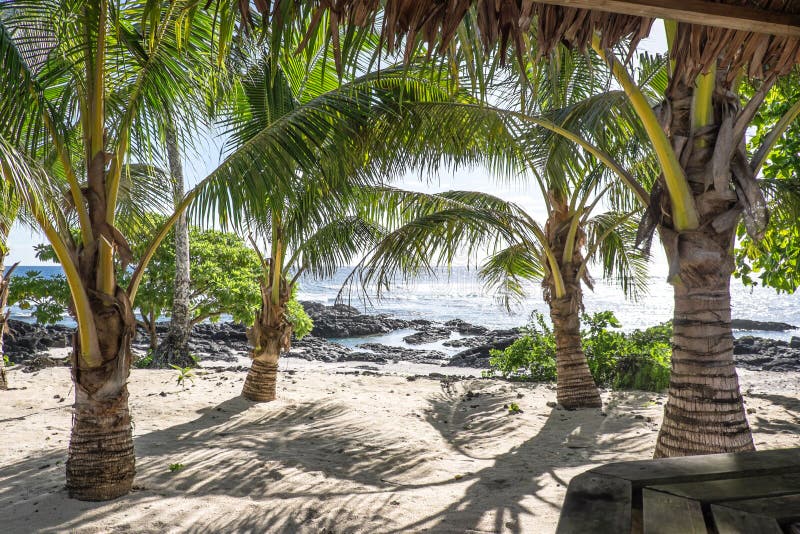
(646,372)
(145,361)
(46,297)
(301,322)
(531,357)
(638,360)
(602,346)
(646,364)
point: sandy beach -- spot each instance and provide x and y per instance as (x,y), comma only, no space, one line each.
(339,452)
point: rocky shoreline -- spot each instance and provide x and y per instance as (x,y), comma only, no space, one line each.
(26,343)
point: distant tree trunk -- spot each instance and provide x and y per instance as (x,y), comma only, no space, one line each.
(704,412)
(271,333)
(3,318)
(150,325)
(174,349)
(575,386)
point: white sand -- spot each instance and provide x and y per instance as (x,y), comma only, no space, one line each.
(338,453)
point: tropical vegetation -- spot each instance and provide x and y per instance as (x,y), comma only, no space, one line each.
(696,128)
(223,281)
(637,360)
(590,212)
(106,93)
(774,261)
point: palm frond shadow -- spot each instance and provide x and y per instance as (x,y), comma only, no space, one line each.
(259,454)
(235,449)
(309,516)
(500,489)
(296,467)
(469,418)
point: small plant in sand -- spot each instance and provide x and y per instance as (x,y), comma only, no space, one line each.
(514,409)
(174,468)
(184,374)
(143,362)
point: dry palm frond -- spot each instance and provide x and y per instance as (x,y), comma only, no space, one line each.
(500,23)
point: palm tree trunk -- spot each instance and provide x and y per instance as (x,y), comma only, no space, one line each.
(3,319)
(271,333)
(150,326)
(261,380)
(174,349)
(101,463)
(575,387)
(704,412)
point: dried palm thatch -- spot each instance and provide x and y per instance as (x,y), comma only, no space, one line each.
(500,23)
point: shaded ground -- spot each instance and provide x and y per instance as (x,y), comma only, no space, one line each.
(338,453)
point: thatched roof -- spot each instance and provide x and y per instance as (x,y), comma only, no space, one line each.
(504,22)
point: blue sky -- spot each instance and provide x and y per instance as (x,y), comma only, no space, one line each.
(207,157)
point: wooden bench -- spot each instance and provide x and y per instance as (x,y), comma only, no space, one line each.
(750,492)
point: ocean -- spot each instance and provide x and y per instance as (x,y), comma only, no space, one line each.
(458,294)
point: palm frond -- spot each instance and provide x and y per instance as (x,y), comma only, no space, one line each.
(509,272)
(610,242)
(430,230)
(335,244)
(145,199)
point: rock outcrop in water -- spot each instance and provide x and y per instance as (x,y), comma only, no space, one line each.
(27,339)
(227,342)
(342,321)
(762,326)
(763,354)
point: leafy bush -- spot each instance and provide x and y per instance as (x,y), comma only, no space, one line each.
(646,364)
(144,361)
(302,324)
(531,357)
(637,360)
(602,346)
(647,372)
(46,297)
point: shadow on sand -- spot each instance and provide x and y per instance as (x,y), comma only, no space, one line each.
(789,424)
(262,456)
(493,501)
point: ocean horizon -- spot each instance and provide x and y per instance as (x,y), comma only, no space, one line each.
(458,294)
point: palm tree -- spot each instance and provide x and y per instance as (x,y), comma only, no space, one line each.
(573,181)
(441,228)
(96,93)
(313,222)
(707,184)
(313,239)
(174,349)
(93,90)
(7,218)
(571,89)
